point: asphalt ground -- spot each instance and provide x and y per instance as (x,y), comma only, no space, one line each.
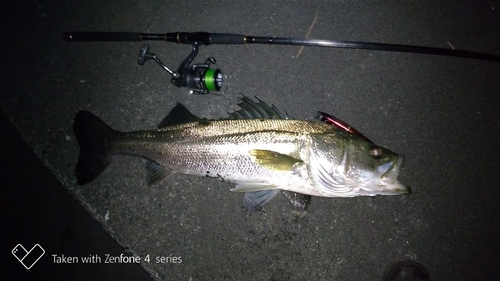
(442,113)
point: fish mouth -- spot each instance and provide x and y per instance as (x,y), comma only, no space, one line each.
(388,175)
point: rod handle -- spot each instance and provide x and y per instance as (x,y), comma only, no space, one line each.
(226,38)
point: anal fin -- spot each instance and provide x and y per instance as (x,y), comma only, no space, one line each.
(155,173)
(254,201)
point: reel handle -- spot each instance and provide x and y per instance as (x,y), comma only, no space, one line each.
(145,54)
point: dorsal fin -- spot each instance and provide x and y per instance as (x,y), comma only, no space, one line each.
(178,115)
(248,110)
(255,110)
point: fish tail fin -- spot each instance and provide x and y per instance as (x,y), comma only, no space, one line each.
(90,131)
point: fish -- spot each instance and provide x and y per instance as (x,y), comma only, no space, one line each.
(258,148)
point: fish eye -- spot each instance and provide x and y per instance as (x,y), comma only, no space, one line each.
(376,152)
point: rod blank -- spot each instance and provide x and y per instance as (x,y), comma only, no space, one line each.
(226,38)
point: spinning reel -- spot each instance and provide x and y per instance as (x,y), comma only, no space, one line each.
(199,78)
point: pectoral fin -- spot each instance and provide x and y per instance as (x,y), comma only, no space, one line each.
(273,160)
(252,187)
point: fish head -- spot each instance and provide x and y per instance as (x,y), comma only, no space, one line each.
(346,165)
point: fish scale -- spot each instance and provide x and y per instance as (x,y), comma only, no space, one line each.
(262,155)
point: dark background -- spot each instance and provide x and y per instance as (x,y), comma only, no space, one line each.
(441,112)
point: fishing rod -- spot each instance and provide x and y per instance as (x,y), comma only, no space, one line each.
(201,78)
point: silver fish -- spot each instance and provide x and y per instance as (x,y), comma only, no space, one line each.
(257,147)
